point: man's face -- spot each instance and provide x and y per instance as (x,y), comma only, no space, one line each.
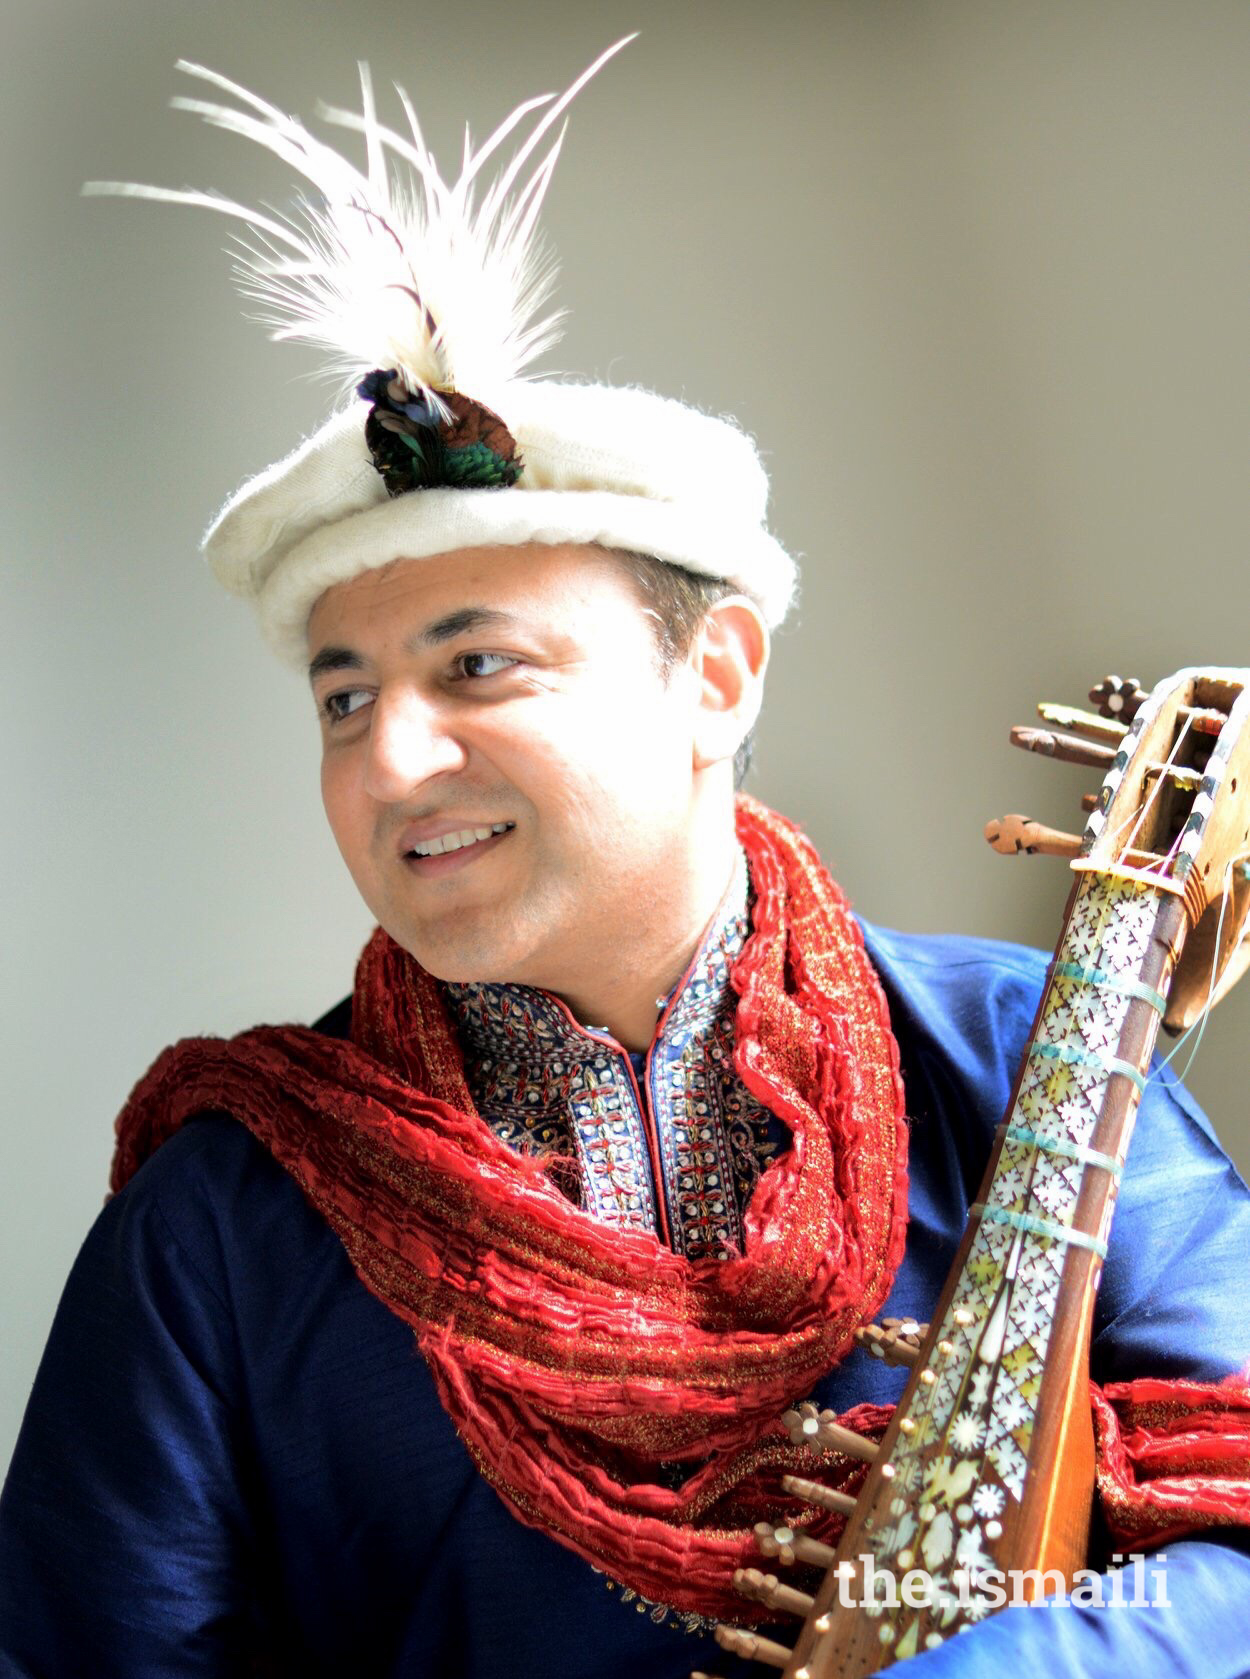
(508,776)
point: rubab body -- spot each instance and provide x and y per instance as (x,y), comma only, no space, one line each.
(988,1463)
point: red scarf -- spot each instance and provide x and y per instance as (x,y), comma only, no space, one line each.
(1173,1457)
(622,1398)
(618,1396)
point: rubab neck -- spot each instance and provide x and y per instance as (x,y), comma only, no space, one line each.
(988,1463)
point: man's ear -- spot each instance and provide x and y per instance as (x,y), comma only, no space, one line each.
(728,657)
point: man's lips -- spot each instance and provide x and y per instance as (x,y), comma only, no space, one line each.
(437,847)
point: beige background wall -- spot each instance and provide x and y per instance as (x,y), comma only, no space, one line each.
(977,276)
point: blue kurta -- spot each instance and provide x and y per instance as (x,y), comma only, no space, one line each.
(233,1447)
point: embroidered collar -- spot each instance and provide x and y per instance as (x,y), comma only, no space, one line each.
(673,1146)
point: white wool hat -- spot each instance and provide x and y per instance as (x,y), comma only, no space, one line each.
(429,289)
(610,465)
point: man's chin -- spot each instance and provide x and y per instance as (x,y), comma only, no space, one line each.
(459,958)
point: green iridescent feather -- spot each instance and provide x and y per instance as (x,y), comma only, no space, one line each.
(475,466)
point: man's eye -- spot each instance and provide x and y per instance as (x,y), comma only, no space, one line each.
(338,706)
(483,664)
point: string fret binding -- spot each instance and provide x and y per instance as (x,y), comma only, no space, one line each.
(1039,1227)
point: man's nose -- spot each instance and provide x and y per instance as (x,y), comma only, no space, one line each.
(409,743)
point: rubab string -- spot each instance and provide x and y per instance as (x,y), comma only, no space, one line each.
(1240,861)
(1092,974)
(1134,826)
(1135,822)
(1108,909)
(1023,1224)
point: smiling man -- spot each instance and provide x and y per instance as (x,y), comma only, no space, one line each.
(450,1336)
(510,770)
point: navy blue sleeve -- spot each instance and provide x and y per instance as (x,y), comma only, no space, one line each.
(125,1542)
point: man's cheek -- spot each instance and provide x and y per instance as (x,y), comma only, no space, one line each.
(354,832)
(333,793)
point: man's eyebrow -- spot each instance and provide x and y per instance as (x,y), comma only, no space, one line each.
(460,622)
(447,628)
(333,658)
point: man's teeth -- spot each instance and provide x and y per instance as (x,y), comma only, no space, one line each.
(457,842)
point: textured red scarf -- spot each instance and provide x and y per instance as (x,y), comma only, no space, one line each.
(620,1397)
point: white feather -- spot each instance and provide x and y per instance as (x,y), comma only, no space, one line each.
(396,267)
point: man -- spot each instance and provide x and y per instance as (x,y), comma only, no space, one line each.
(450,1337)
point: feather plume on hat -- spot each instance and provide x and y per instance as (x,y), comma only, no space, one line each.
(415,275)
(428,297)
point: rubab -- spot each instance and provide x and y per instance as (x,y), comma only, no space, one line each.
(988,1462)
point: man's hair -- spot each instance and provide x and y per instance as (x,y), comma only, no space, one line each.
(677,601)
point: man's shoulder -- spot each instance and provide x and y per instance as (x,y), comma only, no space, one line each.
(953,954)
(961,1010)
(944,985)
(336,1022)
(213,1187)
(210,1188)
(213,1151)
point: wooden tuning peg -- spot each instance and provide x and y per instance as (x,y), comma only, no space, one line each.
(1069,749)
(705,1676)
(1120,697)
(812,1492)
(906,1331)
(787,1545)
(739,1642)
(809,1427)
(1090,801)
(776,1542)
(1189,780)
(911,1327)
(895,1340)
(800,1422)
(1010,835)
(1203,722)
(1107,729)
(767,1588)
